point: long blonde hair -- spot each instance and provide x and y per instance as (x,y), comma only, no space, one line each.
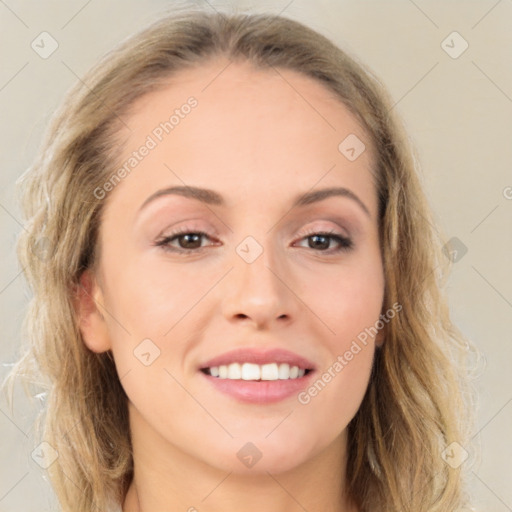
(416,403)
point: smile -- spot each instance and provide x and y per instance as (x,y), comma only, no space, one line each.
(256,372)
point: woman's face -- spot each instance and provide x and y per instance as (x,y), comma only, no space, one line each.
(262,289)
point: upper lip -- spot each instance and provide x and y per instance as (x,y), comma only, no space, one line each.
(259,356)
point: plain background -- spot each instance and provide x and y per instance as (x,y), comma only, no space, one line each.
(458,112)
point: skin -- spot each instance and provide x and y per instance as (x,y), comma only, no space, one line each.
(259,138)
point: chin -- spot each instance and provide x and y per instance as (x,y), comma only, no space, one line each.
(260,457)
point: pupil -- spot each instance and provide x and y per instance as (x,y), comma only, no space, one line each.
(324,245)
(189,239)
(188,242)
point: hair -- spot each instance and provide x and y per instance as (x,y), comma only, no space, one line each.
(418,399)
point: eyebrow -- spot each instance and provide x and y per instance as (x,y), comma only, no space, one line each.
(209,196)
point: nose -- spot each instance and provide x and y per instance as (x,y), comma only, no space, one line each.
(259,294)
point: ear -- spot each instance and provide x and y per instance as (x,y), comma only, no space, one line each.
(89,309)
(380,337)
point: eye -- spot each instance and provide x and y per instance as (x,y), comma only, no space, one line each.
(321,242)
(188,241)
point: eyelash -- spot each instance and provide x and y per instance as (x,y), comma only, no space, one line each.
(345,243)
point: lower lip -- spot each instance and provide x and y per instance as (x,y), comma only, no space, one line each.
(260,392)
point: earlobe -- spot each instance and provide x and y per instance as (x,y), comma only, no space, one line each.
(88,306)
(380,337)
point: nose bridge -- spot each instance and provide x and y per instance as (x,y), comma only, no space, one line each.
(256,289)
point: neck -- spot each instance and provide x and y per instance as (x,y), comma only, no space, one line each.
(191,485)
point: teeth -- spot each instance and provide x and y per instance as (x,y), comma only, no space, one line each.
(234,371)
(251,371)
(284,371)
(269,372)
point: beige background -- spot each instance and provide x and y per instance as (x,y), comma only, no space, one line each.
(457,110)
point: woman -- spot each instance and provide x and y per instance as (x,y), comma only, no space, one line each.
(240,306)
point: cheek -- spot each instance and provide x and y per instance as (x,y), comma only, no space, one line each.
(348,301)
(156,318)
(350,306)
(151,299)
(340,385)
(334,397)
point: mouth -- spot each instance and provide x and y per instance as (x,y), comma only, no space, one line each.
(256,372)
(258,375)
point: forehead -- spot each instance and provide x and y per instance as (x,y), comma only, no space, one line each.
(251,131)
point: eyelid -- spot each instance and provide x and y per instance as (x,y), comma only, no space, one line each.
(339,231)
(345,243)
(195,227)
(187,226)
